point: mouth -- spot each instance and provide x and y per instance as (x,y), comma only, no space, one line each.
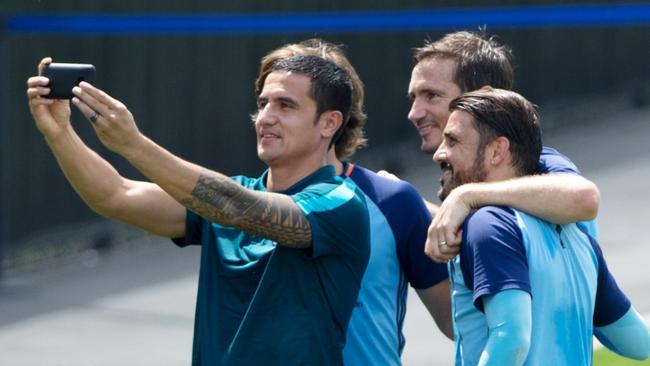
(447,170)
(426,128)
(266,137)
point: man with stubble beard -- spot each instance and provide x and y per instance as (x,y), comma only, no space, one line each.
(524,291)
(461,62)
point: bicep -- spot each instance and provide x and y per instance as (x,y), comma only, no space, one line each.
(437,300)
(149,207)
(557,197)
(274,216)
(277,217)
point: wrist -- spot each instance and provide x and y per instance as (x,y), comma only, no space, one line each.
(53,138)
(469,194)
(133,150)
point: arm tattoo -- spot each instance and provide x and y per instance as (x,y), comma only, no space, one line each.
(217,198)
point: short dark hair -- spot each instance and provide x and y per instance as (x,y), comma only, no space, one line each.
(480,60)
(498,112)
(353,136)
(331,87)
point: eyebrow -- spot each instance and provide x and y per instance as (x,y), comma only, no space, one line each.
(449,135)
(412,94)
(282,99)
(288,100)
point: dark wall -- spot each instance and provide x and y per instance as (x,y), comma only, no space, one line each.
(193,94)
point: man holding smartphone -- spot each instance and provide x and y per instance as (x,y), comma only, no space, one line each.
(282,254)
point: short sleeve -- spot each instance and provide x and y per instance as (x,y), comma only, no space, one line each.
(611,302)
(193,230)
(338,218)
(493,258)
(194,222)
(411,235)
(552,161)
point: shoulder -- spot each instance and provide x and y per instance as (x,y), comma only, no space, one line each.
(384,190)
(330,195)
(493,257)
(552,161)
(490,218)
(491,226)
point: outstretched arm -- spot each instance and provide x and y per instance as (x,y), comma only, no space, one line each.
(509,319)
(212,195)
(628,336)
(557,197)
(142,204)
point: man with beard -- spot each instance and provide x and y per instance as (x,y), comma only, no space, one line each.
(524,290)
(461,62)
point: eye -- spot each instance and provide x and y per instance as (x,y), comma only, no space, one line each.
(431,96)
(451,142)
(261,103)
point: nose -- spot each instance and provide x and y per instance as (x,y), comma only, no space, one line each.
(441,153)
(416,112)
(265,116)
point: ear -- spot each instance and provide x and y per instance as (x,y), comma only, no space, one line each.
(331,121)
(499,151)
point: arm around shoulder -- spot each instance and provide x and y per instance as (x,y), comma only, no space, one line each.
(559,198)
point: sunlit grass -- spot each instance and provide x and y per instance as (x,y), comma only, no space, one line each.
(605,357)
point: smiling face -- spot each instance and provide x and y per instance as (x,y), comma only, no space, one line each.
(460,155)
(431,89)
(286,122)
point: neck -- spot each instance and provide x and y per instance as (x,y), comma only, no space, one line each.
(283,176)
(501,173)
(332,160)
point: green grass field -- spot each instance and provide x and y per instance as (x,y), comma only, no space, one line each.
(604,357)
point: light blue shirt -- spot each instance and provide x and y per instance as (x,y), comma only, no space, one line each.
(561,267)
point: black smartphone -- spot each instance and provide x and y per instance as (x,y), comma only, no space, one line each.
(63,77)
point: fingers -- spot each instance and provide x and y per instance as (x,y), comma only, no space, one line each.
(386,174)
(37,88)
(41,65)
(86,110)
(90,99)
(101,97)
(443,242)
(440,250)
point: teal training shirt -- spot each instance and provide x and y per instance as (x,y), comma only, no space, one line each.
(265,304)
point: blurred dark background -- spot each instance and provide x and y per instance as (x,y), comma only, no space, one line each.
(192,91)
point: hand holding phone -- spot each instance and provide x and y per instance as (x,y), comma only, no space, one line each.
(63,77)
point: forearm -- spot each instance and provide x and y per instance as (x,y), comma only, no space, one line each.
(559,198)
(509,319)
(92,177)
(105,191)
(217,198)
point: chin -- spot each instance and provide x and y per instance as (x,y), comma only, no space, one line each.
(264,156)
(428,148)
